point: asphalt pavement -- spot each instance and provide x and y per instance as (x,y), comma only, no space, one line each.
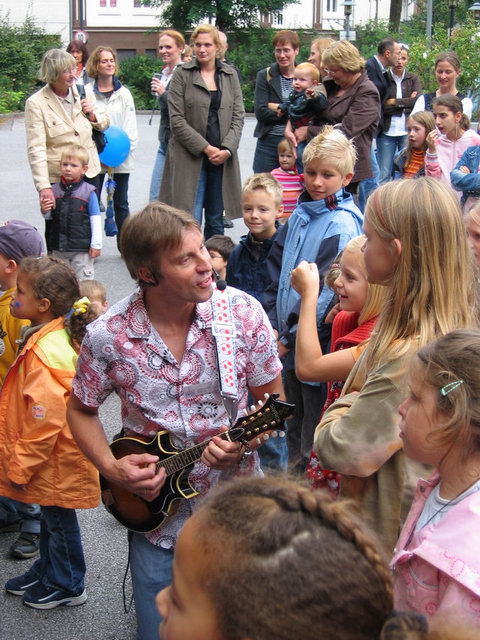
(105,542)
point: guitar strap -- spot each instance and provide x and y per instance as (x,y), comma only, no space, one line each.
(224,333)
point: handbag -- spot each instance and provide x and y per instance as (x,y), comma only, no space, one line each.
(98,137)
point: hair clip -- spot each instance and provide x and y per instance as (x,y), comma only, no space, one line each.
(80,306)
(450,386)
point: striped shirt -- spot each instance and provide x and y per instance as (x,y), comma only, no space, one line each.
(292,185)
(286,84)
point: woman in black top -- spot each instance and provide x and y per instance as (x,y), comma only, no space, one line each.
(273,87)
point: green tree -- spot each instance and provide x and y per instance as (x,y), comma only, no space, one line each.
(227,14)
(21,50)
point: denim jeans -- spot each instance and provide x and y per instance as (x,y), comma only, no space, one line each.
(387,147)
(151,569)
(300,149)
(368,185)
(157,173)
(309,401)
(120,197)
(61,563)
(13,510)
(266,153)
(209,198)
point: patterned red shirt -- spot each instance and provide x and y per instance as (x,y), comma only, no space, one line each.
(123,352)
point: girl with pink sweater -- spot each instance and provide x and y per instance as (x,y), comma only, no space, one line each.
(436,561)
(446,143)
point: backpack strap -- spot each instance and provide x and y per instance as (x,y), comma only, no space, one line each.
(81,91)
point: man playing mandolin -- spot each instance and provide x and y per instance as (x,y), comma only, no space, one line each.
(157,351)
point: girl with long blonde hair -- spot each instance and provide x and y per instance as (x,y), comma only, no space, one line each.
(416,246)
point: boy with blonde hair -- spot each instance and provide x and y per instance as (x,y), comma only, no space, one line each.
(75,227)
(325,219)
(246,270)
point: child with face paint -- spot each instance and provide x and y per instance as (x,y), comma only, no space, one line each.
(39,459)
(18,240)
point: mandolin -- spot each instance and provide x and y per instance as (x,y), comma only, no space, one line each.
(138,514)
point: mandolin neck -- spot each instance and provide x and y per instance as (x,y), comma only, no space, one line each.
(189,456)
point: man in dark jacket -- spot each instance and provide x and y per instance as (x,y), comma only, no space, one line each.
(388,51)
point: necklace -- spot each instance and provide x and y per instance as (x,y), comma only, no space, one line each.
(444,506)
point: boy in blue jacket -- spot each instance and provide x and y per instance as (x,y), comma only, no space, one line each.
(325,219)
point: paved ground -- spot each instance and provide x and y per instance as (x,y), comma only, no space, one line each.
(102,617)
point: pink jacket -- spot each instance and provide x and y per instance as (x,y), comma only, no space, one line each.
(440,164)
(439,568)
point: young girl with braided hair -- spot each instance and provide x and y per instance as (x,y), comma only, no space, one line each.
(436,561)
(416,246)
(39,459)
(267,558)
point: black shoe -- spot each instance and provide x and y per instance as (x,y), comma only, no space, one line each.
(6,526)
(227,223)
(26,546)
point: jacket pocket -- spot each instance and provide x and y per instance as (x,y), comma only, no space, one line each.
(57,128)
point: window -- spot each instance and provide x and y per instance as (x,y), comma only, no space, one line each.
(123,54)
(278,18)
(103,4)
(332,6)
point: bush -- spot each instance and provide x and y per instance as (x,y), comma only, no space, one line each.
(136,73)
(21,50)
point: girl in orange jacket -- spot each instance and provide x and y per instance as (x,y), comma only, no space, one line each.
(39,459)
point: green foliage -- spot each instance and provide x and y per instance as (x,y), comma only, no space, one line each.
(229,14)
(136,73)
(21,50)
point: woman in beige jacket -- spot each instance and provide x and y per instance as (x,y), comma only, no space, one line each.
(56,117)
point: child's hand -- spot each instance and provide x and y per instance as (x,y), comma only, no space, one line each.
(464,169)
(432,141)
(330,317)
(94,253)
(310,93)
(282,349)
(306,279)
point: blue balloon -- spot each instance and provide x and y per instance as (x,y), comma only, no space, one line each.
(117,148)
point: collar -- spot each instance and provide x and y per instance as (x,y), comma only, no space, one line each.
(68,186)
(330,202)
(139,325)
(396,78)
(219,66)
(380,64)
(116,85)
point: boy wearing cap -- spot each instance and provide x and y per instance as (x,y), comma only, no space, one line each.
(18,240)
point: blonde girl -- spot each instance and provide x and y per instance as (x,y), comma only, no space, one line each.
(268,558)
(436,561)
(39,459)
(410,162)
(356,314)
(451,137)
(416,246)
(472,224)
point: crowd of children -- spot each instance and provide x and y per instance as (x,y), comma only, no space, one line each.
(389,319)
